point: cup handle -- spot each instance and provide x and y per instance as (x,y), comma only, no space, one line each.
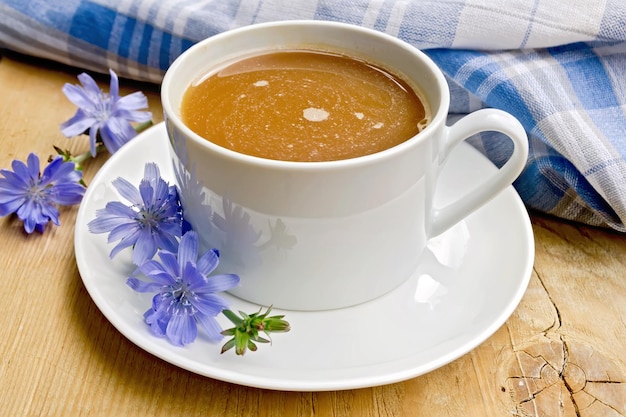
(481,121)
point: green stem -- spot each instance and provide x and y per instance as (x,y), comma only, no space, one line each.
(143,126)
(79,159)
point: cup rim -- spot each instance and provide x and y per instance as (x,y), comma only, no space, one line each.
(172,116)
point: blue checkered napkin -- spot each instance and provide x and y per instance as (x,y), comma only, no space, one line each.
(559,66)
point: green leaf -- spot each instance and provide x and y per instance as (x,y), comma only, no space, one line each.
(228,345)
(232,317)
(247,328)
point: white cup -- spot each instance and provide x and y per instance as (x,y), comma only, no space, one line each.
(324,235)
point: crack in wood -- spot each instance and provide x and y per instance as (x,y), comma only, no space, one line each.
(549,374)
(532,397)
(565,380)
(605,382)
(558,321)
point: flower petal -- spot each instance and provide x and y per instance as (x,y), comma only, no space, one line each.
(133,101)
(77,124)
(67,194)
(181,329)
(79,96)
(151,172)
(90,86)
(128,191)
(145,247)
(152,267)
(209,304)
(106,220)
(9,206)
(50,212)
(208,262)
(142,286)
(59,171)
(157,318)
(33,165)
(219,283)
(169,262)
(188,249)
(114,85)
(93,138)
(191,278)
(118,209)
(31,224)
(147,193)
(14,183)
(166,240)
(125,229)
(122,244)
(116,132)
(21,172)
(154,271)
(30,210)
(211,327)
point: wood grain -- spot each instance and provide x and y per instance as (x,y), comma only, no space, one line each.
(560,354)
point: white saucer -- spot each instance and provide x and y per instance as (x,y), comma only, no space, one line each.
(470,281)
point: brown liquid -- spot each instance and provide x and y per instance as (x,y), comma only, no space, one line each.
(303,106)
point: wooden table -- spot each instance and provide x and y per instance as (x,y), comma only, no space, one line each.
(563,351)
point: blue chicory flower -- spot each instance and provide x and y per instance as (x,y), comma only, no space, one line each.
(33,195)
(153,220)
(107,114)
(186,294)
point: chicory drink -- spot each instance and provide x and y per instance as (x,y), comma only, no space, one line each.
(304,105)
